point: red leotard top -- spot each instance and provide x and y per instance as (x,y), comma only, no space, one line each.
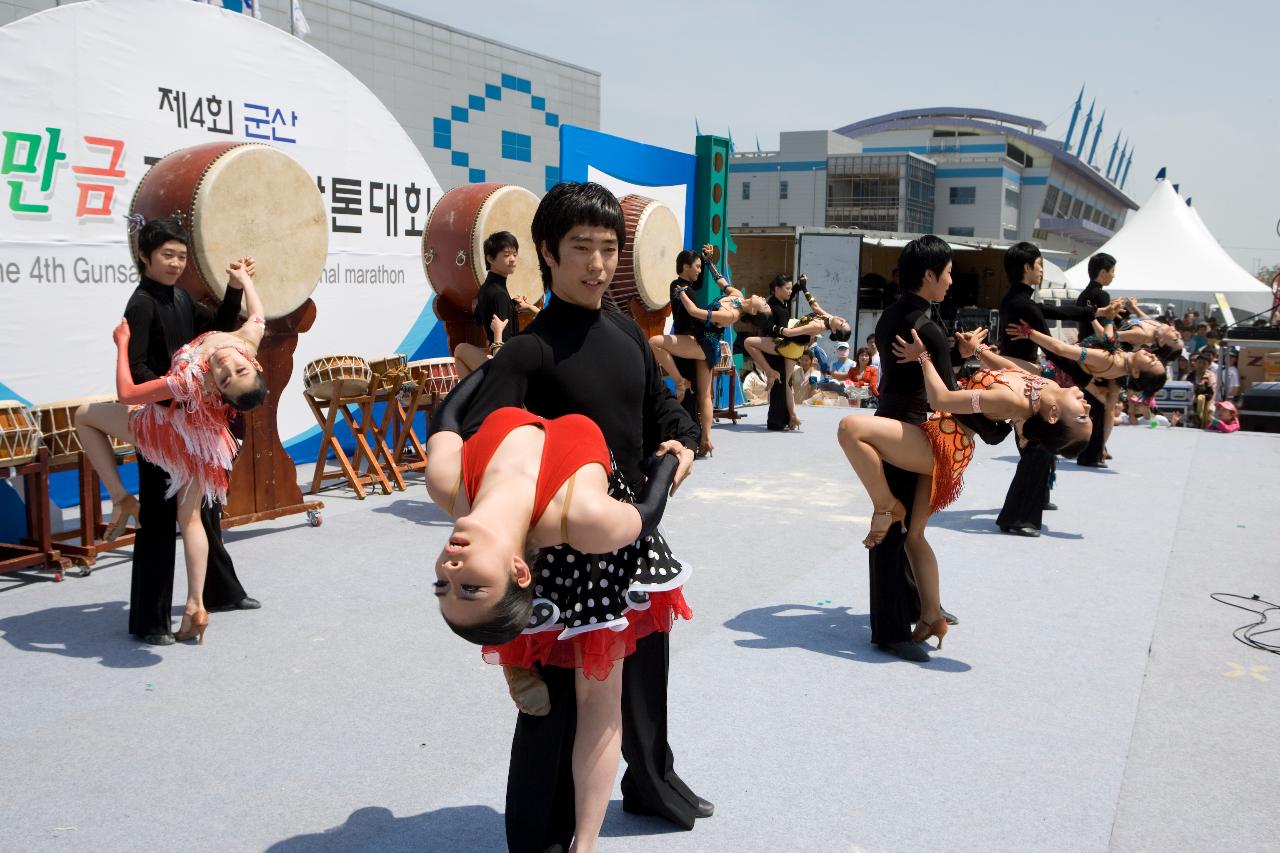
(572,441)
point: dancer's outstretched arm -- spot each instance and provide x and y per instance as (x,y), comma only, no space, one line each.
(1094,361)
(151,391)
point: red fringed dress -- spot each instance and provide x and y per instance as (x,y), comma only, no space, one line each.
(189,439)
(588,609)
(952,444)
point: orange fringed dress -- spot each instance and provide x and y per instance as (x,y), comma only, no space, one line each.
(952,445)
(190,439)
(588,609)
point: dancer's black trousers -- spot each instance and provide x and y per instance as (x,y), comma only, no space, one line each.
(1029,491)
(540,812)
(778,417)
(895,604)
(1098,414)
(154,552)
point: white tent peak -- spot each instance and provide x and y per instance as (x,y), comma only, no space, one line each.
(1165,250)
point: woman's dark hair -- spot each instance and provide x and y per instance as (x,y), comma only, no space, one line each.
(1098,263)
(251,399)
(510,616)
(1168,352)
(1017,258)
(156,233)
(1151,380)
(779,280)
(498,242)
(567,205)
(840,336)
(686,259)
(923,254)
(1056,437)
(861,352)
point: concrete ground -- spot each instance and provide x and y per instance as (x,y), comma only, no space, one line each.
(1092,697)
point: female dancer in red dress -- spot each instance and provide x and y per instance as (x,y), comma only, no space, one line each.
(941,448)
(180,422)
(523,483)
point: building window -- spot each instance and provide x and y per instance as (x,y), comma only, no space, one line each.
(1011,233)
(782,189)
(964,195)
(1088,213)
(746,191)
(960,231)
(1012,198)
(1064,205)
(1075,208)
(516,146)
(1050,201)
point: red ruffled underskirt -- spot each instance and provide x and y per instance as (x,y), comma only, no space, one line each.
(952,451)
(592,651)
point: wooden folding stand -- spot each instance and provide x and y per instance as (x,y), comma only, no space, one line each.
(40,552)
(83,544)
(724,372)
(385,388)
(326,413)
(409,453)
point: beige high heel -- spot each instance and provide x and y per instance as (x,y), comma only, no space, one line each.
(199,622)
(896,513)
(121,511)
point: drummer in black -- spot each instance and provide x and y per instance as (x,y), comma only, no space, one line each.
(496,311)
(163,318)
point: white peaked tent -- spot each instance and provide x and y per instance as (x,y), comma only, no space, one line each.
(1165,251)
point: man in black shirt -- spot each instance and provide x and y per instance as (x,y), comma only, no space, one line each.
(496,312)
(163,318)
(926,275)
(1102,271)
(1028,495)
(575,358)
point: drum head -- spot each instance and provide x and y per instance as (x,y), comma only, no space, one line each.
(658,239)
(510,208)
(258,202)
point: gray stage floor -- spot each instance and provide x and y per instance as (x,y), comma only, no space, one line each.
(1091,699)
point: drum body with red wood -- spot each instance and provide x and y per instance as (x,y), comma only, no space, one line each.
(239,199)
(647,262)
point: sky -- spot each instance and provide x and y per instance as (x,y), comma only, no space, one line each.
(1196,91)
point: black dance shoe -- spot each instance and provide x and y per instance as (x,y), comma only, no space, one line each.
(248,603)
(1022,530)
(950,617)
(1098,464)
(159,639)
(704,808)
(905,650)
(1050,506)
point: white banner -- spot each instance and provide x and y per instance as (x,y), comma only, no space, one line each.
(91,92)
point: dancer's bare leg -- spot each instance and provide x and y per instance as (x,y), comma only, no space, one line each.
(757,348)
(467,358)
(788,367)
(705,407)
(666,348)
(868,442)
(924,564)
(96,423)
(195,547)
(597,747)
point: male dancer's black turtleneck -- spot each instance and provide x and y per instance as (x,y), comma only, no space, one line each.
(494,300)
(894,605)
(162,319)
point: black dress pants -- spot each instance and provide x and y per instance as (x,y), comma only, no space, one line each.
(895,604)
(1098,414)
(539,810)
(1029,491)
(154,552)
(778,418)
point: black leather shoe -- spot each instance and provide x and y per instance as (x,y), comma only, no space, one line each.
(951,619)
(1050,506)
(906,650)
(158,639)
(248,603)
(1098,464)
(704,808)
(1022,530)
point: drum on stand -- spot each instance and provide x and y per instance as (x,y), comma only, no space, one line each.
(58,423)
(335,376)
(239,199)
(453,242)
(647,263)
(19,434)
(436,376)
(389,373)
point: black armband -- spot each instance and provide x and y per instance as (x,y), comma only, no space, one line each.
(653,495)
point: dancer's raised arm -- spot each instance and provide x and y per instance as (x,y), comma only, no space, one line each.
(1094,361)
(151,391)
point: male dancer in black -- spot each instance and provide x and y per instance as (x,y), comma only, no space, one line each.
(493,300)
(575,358)
(162,318)
(925,266)
(1028,495)
(1102,271)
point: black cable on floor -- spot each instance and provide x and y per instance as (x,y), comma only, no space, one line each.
(1249,634)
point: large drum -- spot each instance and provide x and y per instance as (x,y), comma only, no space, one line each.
(19,435)
(242,199)
(389,373)
(647,263)
(337,376)
(453,241)
(58,424)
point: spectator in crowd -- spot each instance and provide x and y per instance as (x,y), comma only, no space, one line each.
(1206,388)
(842,364)
(875,353)
(1200,339)
(864,379)
(1179,368)
(1229,388)
(1225,417)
